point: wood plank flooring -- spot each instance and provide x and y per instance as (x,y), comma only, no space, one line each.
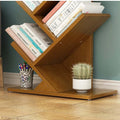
(15,106)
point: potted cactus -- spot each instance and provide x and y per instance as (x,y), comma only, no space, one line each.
(82,74)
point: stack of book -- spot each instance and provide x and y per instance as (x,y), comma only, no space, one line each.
(66,12)
(30,38)
(32,4)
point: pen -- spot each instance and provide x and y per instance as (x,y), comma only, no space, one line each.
(26,67)
(19,67)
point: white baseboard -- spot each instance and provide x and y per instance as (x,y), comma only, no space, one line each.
(13,79)
(107,84)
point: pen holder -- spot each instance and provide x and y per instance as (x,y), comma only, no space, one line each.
(26,79)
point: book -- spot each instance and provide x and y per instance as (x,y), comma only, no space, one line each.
(93,9)
(31,5)
(51,13)
(70,22)
(20,44)
(34,31)
(62,8)
(78,9)
(64,14)
(25,40)
(36,3)
(31,40)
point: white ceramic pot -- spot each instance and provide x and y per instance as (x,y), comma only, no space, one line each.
(81,85)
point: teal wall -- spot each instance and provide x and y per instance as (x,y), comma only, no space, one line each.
(106,41)
(107,45)
(11,14)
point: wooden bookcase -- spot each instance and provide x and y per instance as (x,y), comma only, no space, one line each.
(73,46)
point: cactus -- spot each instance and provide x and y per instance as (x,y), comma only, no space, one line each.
(82,71)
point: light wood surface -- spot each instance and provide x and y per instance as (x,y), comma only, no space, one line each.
(73,46)
(14,106)
(95,93)
(1,73)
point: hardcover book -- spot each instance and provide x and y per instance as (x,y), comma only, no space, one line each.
(20,43)
(37,35)
(64,14)
(51,13)
(25,40)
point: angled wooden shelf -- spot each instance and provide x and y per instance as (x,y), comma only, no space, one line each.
(73,46)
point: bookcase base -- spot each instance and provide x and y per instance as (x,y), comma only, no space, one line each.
(94,94)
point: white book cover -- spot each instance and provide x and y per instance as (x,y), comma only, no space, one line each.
(68,19)
(57,13)
(85,7)
(30,5)
(64,14)
(39,37)
(70,22)
(93,9)
(36,3)
(27,43)
(39,33)
(92,3)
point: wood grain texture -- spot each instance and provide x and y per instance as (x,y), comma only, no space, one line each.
(95,93)
(36,107)
(73,46)
(44,8)
(47,87)
(79,31)
(58,76)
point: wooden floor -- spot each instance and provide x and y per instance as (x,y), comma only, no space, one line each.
(15,106)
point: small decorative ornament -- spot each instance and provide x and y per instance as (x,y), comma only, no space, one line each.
(82,74)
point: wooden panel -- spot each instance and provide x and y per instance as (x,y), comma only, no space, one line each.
(57,76)
(26,58)
(84,26)
(22,53)
(44,8)
(38,20)
(96,93)
(83,53)
(1,73)
(44,87)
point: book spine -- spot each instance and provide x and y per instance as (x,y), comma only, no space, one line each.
(36,30)
(68,19)
(20,44)
(71,21)
(36,39)
(36,3)
(93,9)
(30,5)
(26,42)
(49,15)
(57,13)
(63,15)
(31,40)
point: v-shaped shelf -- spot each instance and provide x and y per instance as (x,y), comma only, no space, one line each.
(73,46)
